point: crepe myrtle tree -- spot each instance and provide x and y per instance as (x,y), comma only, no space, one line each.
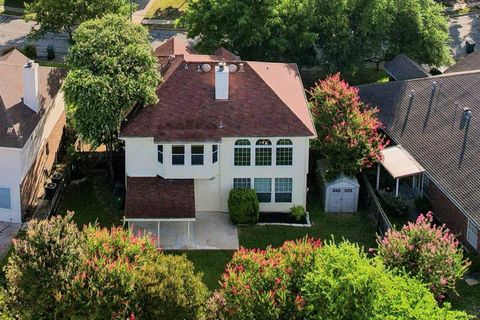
(66,15)
(111,68)
(348,130)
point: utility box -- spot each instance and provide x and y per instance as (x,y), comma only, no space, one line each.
(339,194)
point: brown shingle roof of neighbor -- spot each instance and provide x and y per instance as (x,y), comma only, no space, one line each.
(265,99)
(404,68)
(426,116)
(17,121)
(468,63)
(158,198)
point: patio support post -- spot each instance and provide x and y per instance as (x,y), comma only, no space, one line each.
(188,233)
(158,234)
(396,188)
(378,176)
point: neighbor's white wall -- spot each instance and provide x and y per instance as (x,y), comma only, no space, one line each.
(297,171)
(10,177)
(140,157)
(41,133)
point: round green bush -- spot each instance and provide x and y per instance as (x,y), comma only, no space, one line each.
(243,206)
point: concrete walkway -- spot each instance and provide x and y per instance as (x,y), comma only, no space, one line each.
(8,231)
(142,9)
(210,231)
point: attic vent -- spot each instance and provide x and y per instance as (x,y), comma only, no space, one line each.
(232,68)
(206,67)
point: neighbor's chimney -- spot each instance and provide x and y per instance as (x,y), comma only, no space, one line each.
(221,81)
(30,85)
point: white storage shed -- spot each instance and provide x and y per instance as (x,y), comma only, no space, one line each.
(339,194)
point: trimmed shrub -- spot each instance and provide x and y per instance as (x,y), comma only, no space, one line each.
(30,50)
(243,206)
(426,251)
(423,205)
(41,268)
(345,284)
(168,288)
(298,213)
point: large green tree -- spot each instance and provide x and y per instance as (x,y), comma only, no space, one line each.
(65,15)
(269,30)
(341,34)
(111,68)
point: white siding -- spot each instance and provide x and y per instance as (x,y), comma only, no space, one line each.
(213,181)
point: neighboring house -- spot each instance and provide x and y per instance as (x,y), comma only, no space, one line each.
(404,68)
(32,118)
(435,122)
(220,123)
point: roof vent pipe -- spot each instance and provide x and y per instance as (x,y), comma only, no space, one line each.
(467,113)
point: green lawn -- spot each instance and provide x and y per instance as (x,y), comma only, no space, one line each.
(91,200)
(53,64)
(468,298)
(355,228)
(364,75)
(167,9)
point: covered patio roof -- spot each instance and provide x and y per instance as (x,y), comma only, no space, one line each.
(399,163)
(158,199)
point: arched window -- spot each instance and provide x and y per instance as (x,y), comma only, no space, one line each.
(284,152)
(242,153)
(263,152)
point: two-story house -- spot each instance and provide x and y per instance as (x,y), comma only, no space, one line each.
(220,123)
(32,118)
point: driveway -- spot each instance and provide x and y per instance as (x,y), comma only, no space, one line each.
(210,231)
(7,232)
(462,27)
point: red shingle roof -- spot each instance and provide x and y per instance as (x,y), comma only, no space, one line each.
(157,198)
(267,99)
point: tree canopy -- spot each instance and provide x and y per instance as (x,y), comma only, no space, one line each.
(348,130)
(66,15)
(340,34)
(111,67)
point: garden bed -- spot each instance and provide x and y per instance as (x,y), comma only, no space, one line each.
(281,218)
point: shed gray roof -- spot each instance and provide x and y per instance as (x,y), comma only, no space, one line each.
(468,63)
(426,117)
(404,68)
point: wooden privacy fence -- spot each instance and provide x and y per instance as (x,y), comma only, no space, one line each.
(373,206)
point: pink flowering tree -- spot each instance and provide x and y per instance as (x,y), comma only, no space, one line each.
(264,284)
(348,130)
(426,251)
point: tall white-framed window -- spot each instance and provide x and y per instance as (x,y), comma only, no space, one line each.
(242,153)
(283,190)
(263,152)
(160,153)
(178,155)
(5,199)
(242,183)
(472,234)
(197,155)
(263,188)
(284,154)
(214,153)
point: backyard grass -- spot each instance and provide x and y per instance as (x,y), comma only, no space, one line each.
(14,3)
(53,64)
(166,9)
(468,298)
(91,201)
(367,74)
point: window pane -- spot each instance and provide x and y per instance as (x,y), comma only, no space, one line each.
(284,142)
(263,142)
(284,156)
(263,187)
(263,156)
(197,149)
(5,202)
(197,155)
(283,190)
(178,159)
(178,150)
(242,157)
(241,183)
(242,142)
(214,153)
(160,153)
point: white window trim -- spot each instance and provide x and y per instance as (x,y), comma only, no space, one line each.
(249,146)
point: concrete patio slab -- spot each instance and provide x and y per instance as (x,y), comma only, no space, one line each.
(210,231)
(8,231)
